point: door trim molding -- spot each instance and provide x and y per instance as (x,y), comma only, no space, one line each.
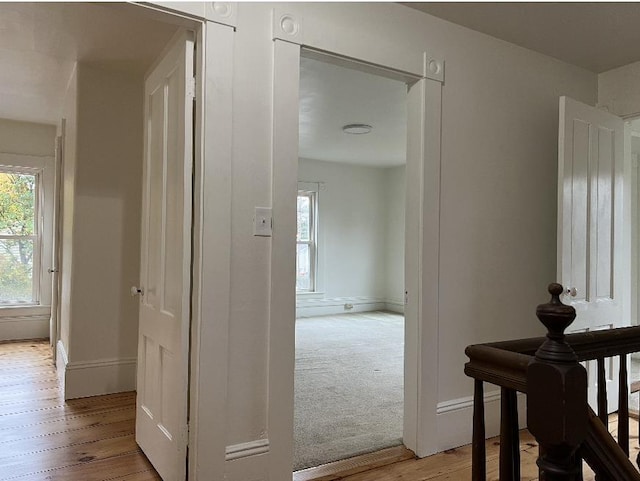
(211,276)
(423,244)
(245,450)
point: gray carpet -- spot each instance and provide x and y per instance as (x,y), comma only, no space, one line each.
(349,386)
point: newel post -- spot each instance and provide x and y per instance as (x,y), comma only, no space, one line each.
(557,410)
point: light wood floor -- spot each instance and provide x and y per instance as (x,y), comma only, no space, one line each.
(44,438)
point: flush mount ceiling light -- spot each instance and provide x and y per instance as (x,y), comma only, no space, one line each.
(357,129)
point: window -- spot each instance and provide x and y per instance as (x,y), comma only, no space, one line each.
(19,237)
(306,242)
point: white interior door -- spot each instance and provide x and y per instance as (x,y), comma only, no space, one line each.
(591,247)
(163,342)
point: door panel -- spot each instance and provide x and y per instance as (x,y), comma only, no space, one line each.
(163,354)
(591,249)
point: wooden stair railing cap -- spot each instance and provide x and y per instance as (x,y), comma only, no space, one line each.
(556,317)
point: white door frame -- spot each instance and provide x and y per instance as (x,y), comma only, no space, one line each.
(211,280)
(212,169)
(422,236)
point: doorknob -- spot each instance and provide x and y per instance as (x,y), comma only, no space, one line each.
(137,291)
(572,291)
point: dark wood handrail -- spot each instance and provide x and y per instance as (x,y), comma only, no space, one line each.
(587,345)
(497,366)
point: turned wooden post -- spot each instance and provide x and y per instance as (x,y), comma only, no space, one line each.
(509,436)
(478,452)
(557,394)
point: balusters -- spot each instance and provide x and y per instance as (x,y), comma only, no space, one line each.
(623,406)
(603,410)
(478,449)
(509,436)
(623,401)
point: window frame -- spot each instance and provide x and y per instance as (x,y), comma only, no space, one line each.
(44,167)
(310,191)
(36,237)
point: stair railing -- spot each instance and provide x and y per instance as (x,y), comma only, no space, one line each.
(549,372)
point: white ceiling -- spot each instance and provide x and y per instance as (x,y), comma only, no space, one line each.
(39,43)
(597,36)
(332,96)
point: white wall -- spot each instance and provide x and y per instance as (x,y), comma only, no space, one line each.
(354,243)
(27,138)
(395,203)
(102,213)
(498,189)
(619,90)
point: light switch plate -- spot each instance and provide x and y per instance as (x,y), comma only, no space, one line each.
(262,222)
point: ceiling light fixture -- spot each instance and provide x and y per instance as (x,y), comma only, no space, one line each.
(357,129)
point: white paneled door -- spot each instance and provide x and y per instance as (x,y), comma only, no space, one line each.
(591,247)
(165,278)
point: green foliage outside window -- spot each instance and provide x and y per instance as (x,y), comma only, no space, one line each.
(17,236)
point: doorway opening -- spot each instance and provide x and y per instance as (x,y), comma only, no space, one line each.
(350,242)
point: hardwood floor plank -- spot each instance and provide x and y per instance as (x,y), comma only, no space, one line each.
(11,382)
(143,476)
(21,431)
(56,440)
(24,395)
(23,408)
(66,456)
(103,470)
(25,378)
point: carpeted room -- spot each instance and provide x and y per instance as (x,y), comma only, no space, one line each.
(350,266)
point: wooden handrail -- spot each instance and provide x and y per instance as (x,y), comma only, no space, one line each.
(587,345)
(497,366)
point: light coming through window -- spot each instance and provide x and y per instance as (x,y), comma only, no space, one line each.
(19,237)
(306,242)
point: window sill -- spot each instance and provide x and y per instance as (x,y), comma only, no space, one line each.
(24,310)
(310,295)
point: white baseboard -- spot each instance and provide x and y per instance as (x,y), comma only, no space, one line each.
(13,328)
(61,361)
(336,305)
(93,378)
(247,461)
(394,306)
(455,419)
